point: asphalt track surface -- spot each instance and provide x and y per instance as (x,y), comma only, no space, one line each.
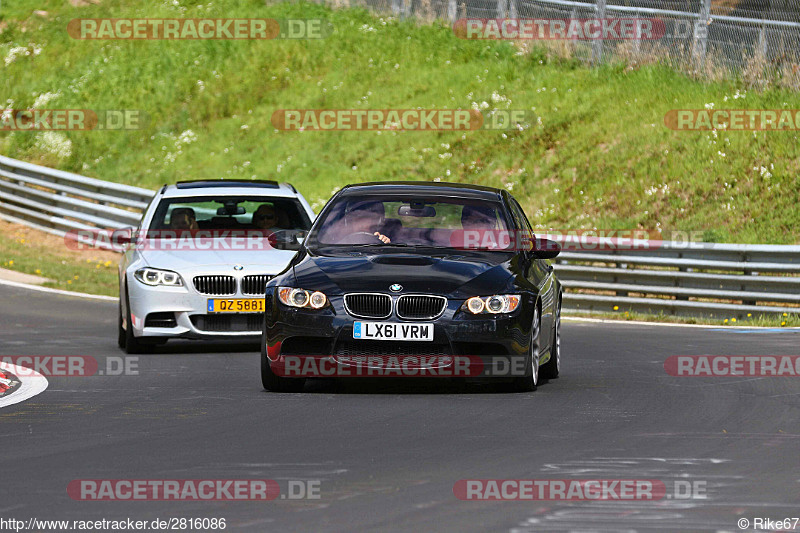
(387,453)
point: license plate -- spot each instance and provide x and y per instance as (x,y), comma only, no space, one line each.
(236,305)
(390,331)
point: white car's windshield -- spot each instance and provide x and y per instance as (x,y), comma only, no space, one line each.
(230,213)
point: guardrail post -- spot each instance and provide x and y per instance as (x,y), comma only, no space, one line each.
(747,272)
(452,10)
(762,40)
(637,40)
(682,269)
(701,32)
(572,16)
(502,11)
(597,45)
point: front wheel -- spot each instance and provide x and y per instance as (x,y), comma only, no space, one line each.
(528,382)
(552,367)
(120,329)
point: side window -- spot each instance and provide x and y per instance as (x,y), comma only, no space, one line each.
(519,214)
(523,224)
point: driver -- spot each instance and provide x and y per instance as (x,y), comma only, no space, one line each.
(367,217)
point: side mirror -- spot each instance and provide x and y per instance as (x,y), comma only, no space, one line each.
(124,236)
(546,249)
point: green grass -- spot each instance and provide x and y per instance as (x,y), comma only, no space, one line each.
(760,321)
(601,156)
(92,272)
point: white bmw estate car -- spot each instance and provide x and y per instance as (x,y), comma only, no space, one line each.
(197,265)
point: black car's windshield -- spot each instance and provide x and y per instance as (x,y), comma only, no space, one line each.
(403,221)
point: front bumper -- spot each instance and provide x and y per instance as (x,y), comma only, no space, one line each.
(182,312)
(498,341)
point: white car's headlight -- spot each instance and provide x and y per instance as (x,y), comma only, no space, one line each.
(496,304)
(294,297)
(156,276)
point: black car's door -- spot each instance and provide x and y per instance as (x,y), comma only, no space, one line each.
(540,273)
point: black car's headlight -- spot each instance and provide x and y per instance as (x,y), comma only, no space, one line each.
(496,304)
(294,297)
(157,276)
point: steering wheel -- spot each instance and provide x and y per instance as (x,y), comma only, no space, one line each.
(360,237)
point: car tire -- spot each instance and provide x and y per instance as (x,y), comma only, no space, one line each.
(132,344)
(273,382)
(551,369)
(530,380)
(120,329)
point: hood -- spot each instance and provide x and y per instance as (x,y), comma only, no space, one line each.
(179,260)
(438,274)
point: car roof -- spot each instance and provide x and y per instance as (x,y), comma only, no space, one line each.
(184,189)
(437,188)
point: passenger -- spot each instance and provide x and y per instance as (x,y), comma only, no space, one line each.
(266,218)
(183,218)
(479,223)
(478,217)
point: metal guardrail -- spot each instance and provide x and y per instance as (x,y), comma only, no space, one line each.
(686,279)
(690,279)
(59,202)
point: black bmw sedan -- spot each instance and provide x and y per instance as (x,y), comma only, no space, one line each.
(415,279)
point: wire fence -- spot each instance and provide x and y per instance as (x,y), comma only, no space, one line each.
(757,40)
